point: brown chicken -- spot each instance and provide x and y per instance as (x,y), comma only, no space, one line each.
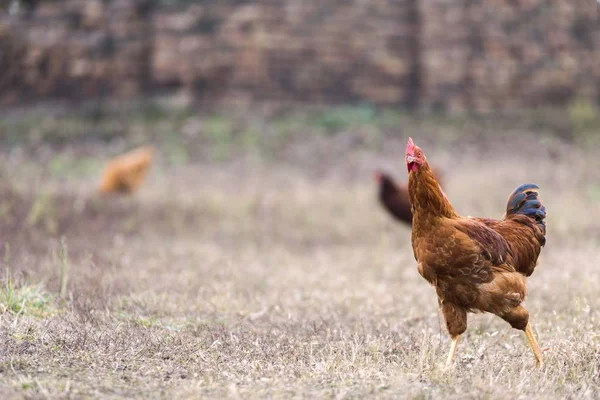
(475,264)
(125,173)
(394,197)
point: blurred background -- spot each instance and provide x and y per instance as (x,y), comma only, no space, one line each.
(210,80)
(431,55)
(268,119)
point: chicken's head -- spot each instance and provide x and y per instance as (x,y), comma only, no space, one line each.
(414,156)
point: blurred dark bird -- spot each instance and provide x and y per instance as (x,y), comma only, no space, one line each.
(125,173)
(475,264)
(394,197)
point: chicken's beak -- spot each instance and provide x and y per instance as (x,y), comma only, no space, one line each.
(410,159)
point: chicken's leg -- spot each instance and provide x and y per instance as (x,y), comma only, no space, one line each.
(537,352)
(452,350)
(456,322)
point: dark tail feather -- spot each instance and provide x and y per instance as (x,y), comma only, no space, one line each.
(525,200)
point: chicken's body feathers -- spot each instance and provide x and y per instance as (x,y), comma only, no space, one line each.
(125,173)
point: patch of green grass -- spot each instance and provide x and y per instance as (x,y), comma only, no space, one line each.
(32,300)
(585,121)
(29,385)
(176,152)
(219,132)
(43,211)
(583,114)
(153,112)
(390,118)
(251,139)
(76,167)
(150,321)
(339,119)
(286,125)
(30,334)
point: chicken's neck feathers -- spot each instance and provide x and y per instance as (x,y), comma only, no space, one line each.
(427,197)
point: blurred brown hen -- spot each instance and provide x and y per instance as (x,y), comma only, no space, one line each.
(125,173)
(475,264)
(394,197)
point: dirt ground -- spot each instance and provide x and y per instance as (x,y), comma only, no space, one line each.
(273,272)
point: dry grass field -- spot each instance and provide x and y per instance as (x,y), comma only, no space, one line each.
(260,265)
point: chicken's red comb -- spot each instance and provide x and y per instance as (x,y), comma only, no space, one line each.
(410,146)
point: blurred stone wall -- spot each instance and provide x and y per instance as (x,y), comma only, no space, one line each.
(437,54)
(76,49)
(507,54)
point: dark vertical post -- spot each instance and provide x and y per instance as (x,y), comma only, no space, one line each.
(415,77)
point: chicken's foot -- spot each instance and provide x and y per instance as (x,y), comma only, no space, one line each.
(537,352)
(452,350)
